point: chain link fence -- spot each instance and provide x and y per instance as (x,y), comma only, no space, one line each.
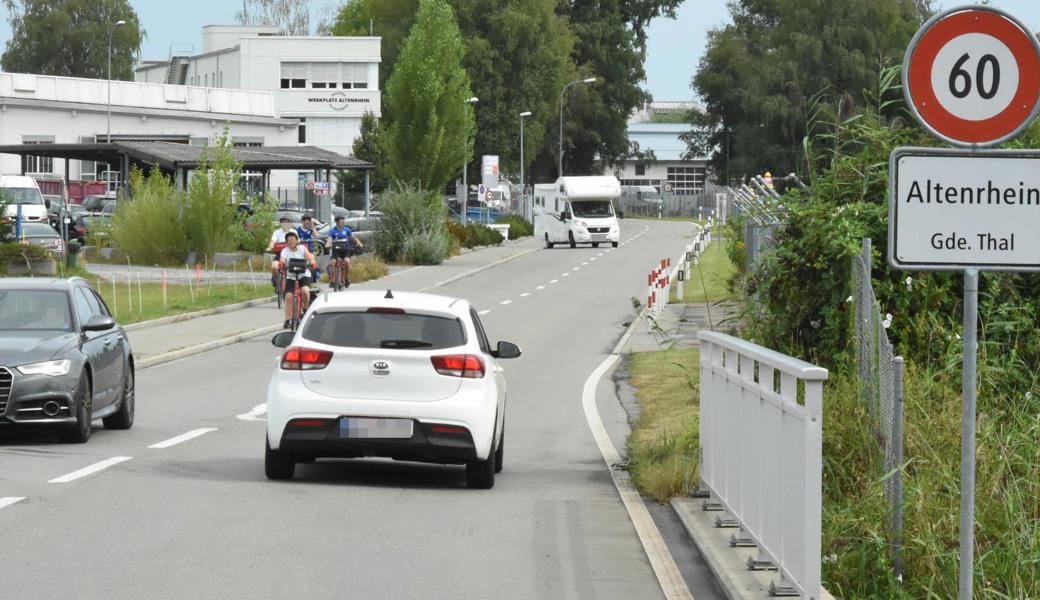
(881,390)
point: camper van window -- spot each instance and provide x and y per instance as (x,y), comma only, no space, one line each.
(592,210)
(22,195)
(557,204)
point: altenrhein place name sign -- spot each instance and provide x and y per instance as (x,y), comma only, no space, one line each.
(957,209)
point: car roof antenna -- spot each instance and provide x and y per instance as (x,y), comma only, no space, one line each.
(389,295)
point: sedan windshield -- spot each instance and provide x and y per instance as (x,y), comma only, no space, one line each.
(592,209)
(22,195)
(384,330)
(29,310)
(38,230)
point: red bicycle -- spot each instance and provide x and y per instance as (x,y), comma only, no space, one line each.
(297,267)
(339,266)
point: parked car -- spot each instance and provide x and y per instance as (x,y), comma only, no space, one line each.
(85,223)
(295,216)
(42,234)
(22,195)
(401,375)
(95,204)
(71,212)
(65,360)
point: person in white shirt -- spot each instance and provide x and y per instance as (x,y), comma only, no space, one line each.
(293,250)
(275,247)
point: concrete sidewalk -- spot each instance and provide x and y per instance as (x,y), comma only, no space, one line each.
(151,344)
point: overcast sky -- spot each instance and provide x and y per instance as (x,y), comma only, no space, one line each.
(674,48)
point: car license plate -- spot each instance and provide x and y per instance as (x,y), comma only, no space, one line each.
(364,428)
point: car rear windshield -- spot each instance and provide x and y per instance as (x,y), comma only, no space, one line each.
(34,310)
(384,330)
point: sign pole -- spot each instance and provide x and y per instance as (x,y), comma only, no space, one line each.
(971,318)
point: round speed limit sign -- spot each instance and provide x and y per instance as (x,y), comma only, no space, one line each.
(972,76)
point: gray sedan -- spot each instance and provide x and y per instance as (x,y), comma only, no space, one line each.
(64,361)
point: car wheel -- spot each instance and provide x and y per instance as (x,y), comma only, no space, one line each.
(480,474)
(614,244)
(548,245)
(124,417)
(570,237)
(595,244)
(80,432)
(500,453)
(277,464)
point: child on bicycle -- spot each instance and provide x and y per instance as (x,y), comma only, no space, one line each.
(293,250)
(342,232)
(276,245)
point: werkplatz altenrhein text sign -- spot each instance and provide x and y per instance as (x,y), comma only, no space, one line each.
(951,210)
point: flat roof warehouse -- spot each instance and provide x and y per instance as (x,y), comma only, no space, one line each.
(989,194)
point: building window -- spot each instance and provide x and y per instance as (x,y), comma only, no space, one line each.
(640,169)
(323,75)
(301,132)
(686,180)
(206,79)
(38,164)
(354,75)
(221,79)
(294,75)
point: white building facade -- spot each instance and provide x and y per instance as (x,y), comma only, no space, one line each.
(40,109)
(326,83)
(665,167)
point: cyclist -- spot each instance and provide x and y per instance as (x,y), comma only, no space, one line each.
(342,232)
(293,249)
(276,245)
(308,236)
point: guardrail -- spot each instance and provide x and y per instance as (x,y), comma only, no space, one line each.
(762,456)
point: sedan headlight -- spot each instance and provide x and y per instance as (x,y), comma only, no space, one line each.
(54,368)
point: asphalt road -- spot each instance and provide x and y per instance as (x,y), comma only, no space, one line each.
(197,519)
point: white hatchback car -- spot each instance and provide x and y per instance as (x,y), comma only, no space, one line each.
(401,375)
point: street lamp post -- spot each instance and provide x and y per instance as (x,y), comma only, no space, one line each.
(526,113)
(111,30)
(465,164)
(562,92)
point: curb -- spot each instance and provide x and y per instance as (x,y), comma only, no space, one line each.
(194,315)
(165,357)
(451,280)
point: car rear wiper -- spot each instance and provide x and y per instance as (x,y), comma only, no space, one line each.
(404,344)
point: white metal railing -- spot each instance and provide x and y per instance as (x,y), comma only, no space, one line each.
(762,455)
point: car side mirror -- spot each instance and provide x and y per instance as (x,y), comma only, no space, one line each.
(283,339)
(99,323)
(507,350)
(565,216)
(47,203)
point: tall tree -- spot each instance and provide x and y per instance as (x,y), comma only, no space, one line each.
(291,16)
(518,58)
(427,140)
(70,38)
(784,69)
(389,19)
(367,147)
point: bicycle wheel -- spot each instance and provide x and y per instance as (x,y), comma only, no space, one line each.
(294,323)
(279,284)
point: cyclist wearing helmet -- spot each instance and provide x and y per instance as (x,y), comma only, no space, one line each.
(294,249)
(276,245)
(342,232)
(308,234)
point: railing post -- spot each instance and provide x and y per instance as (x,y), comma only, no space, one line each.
(897,477)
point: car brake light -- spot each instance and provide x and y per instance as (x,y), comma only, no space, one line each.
(386,310)
(468,366)
(305,359)
(308,423)
(449,429)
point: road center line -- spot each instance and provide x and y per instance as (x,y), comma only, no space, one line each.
(9,500)
(525,294)
(504,302)
(565,275)
(484,312)
(554,281)
(575,268)
(541,287)
(194,433)
(90,470)
(585,264)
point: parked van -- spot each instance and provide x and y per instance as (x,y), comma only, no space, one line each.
(577,210)
(19,190)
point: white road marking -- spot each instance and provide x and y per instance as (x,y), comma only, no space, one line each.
(565,275)
(541,287)
(593,258)
(94,468)
(254,413)
(668,576)
(484,312)
(194,433)
(554,281)
(525,294)
(584,264)
(575,268)
(506,302)
(606,252)
(9,500)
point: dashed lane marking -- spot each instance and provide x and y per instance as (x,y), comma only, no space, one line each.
(541,287)
(484,312)
(9,500)
(254,413)
(194,433)
(504,302)
(90,470)
(525,294)
(554,281)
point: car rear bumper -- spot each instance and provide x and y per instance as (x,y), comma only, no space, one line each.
(425,445)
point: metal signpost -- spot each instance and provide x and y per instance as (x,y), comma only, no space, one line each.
(971,77)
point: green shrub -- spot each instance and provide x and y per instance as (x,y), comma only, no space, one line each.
(17,252)
(459,234)
(149,228)
(210,217)
(255,230)
(410,213)
(518,226)
(6,225)
(474,235)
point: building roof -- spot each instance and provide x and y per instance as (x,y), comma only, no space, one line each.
(171,156)
(662,138)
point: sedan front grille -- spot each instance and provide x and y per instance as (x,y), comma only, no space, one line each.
(5,388)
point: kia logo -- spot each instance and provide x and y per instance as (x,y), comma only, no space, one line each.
(381,366)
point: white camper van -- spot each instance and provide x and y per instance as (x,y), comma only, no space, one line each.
(577,210)
(19,190)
